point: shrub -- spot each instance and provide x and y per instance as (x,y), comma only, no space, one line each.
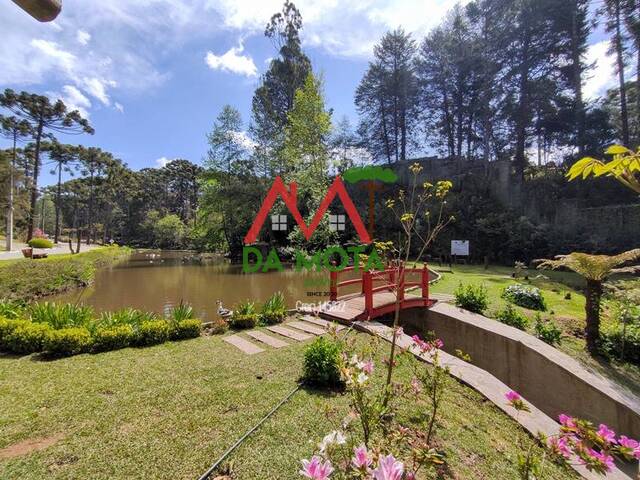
(40,243)
(26,338)
(622,344)
(244,315)
(189,328)
(183,311)
(8,325)
(322,363)
(11,308)
(512,317)
(126,316)
(153,332)
(61,316)
(523,296)
(274,310)
(547,331)
(68,341)
(472,297)
(113,338)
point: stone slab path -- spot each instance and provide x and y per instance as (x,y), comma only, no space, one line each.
(323,323)
(491,388)
(245,345)
(290,333)
(306,327)
(267,339)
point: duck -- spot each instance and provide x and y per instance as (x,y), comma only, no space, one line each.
(223,312)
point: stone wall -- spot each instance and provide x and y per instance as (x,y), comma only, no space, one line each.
(551,380)
(609,228)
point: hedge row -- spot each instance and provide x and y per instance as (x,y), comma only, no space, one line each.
(26,337)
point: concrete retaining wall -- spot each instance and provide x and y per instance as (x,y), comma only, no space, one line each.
(548,378)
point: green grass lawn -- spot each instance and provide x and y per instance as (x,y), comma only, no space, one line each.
(567,314)
(170,411)
(25,279)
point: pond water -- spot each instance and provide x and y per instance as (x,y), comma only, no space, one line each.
(156,281)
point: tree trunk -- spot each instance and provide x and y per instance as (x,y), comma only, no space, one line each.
(592,310)
(577,82)
(9,238)
(56,234)
(34,183)
(523,112)
(624,114)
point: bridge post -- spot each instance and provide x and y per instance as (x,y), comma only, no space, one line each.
(367,285)
(425,283)
(333,285)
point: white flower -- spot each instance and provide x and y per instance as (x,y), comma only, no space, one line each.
(334,437)
(362,378)
(354,360)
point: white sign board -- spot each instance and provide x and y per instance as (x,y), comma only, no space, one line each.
(460,248)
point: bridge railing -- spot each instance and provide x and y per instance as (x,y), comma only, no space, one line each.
(393,279)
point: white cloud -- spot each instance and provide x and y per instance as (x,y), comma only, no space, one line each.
(118,107)
(162,162)
(83,37)
(74,99)
(603,76)
(98,88)
(243,140)
(233,62)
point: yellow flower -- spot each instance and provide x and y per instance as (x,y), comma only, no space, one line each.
(415,168)
(407,217)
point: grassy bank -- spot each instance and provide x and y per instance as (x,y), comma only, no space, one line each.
(566,313)
(171,410)
(26,279)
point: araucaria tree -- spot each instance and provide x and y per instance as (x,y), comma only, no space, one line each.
(45,119)
(595,269)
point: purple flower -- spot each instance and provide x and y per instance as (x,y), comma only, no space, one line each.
(367,367)
(606,434)
(605,460)
(566,421)
(361,459)
(631,446)
(513,396)
(388,469)
(559,446)
(315,469)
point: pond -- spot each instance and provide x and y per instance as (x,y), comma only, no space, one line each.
(156,281)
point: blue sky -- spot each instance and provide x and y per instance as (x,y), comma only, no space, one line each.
(152,75)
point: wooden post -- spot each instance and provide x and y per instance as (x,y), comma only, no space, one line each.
(425,283)
(333,285)
(367,284)
(400,281)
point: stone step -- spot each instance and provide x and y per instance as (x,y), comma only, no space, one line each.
(267,339)
(289,333)
(322,322)
(307,327)
(245,345)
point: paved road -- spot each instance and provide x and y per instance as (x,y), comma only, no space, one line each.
(56,250)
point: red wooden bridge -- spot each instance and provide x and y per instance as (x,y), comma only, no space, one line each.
(378,291)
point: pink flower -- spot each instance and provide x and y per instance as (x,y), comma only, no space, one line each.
(438,343)
(315,469)
(410,476)
(603,459)
(367,367)
(415,386)
(388,469)
(566,421)
(559,446)
(399,332)
(606,434)
(361,459)
(513,396)
(421,344)
(632,446)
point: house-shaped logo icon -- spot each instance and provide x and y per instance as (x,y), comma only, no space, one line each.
(289,196)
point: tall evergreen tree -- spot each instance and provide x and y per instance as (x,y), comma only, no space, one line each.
(45,119)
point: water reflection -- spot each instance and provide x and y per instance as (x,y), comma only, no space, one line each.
(157,281)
